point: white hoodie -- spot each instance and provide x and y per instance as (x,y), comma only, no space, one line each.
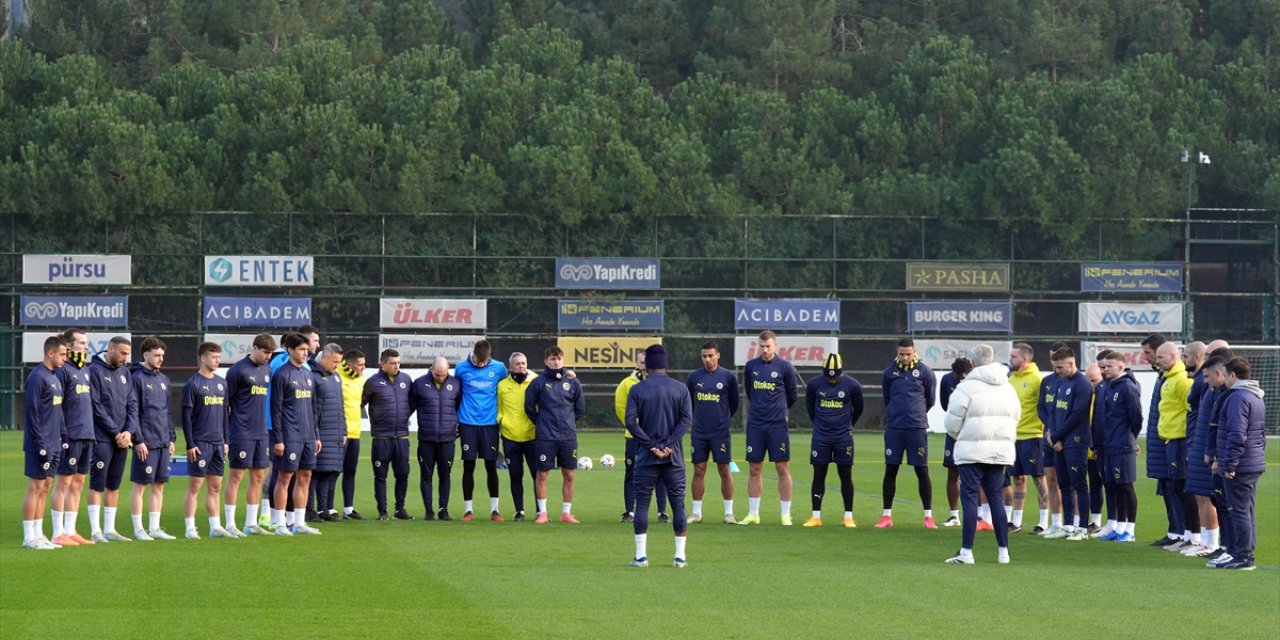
(983,417)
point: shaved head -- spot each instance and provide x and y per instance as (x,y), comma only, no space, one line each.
(1094,374)
(1167,355)
(1193,355)
(1215,345)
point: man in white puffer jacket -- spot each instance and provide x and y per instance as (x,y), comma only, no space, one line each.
(983,418)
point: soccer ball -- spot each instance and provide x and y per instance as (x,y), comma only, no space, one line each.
(606,461)
(584,463)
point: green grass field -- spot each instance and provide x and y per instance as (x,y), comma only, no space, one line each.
(485,579)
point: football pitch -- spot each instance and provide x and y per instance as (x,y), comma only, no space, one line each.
(483,579)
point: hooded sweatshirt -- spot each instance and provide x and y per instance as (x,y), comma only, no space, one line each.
(1242,432)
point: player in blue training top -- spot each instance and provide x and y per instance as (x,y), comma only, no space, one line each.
(115,416)
(1070,438)
(772,386)
(479,375)
(555,404)
(247,384)
(153,440)
(204,429)
(908,388)
(658,415)
(1121,422)
(1044,410)
(42,440)
(714,391)
(77,439)
(834,401)
(294,441)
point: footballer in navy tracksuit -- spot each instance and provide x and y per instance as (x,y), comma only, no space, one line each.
(771,388)
(715,400)
(835,404)
(659,412)
(42,440)
(436,396)
(204,424)
(1121,411)
(908,389)
(1071,438)
(155,424)
(554,404)
(294,437)
(1241,459)
(42,435)
(115,412)
(204,429)
(153,440)
(386,393)
(77,407)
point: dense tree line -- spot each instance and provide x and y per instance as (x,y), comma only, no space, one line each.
(583,112)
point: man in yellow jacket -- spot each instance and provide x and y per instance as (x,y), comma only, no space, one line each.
(628,489)
(1025,377)
(351,372)
(516,428)
(1173,432)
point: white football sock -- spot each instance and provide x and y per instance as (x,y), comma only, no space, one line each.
(250,515)
(1016,517)
(466,506)
(753,506)
(680,542)
(641,545)
(300,517)
(95,519)
(887,513)
(28,531)
(109,519)
(817,515)
(1210,538)
(928,513)
(566,507)
(955,513)
(1002,554)
(493,505)
(786,507)
(1095,519)
(189,523)
(848,515)
(56,516)
(542,504)
(1044,519)
(69,525)
(215,523)
(728,507)
(137,522)
(984,512)
(697,507)
(1057,520)
(347,510)
(1008,513)
(277,517)
(230,512)
(153,518)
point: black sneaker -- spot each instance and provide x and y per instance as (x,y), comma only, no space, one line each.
(443,514)
(429,516)
(519,517)
(401,514)
(1238,565)
(332,516)
(1093,528)
(627,518)
(382,515)
(1015,528)
(663,518)
(1037,530)
(1163,542)
(312,516)
(1215,554)
(354,515)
